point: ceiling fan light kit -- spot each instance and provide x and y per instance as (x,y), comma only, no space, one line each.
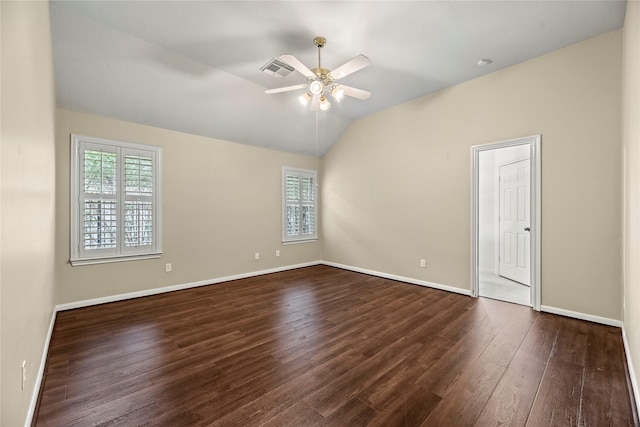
(324,103)
(304,99)
(337,93)
(321,81)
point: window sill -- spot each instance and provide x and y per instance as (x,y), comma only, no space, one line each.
(295,242)
(106,260)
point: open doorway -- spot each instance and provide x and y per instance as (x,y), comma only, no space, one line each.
(506,213)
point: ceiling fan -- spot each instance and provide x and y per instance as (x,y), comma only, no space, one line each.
(321,82)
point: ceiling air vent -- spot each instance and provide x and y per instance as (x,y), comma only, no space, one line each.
(277,68)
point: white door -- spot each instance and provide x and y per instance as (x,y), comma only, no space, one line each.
(513,223)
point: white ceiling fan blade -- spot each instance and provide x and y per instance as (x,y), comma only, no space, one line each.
(357,63)
(315,103)
(299,66)
(355,92)
(286,88)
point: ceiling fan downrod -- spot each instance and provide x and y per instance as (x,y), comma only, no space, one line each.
(322,73)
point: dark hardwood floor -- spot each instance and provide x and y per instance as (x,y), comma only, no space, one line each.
(321,346)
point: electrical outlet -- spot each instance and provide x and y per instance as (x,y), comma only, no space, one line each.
(24,374)
(257,255)
(423,263)
(277,252)
(167,267)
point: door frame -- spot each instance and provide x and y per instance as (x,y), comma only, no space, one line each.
(534,145)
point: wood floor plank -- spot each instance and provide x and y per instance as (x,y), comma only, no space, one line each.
(440,377)
(513,397)
(353,414)
(410,407)
(558,399)
(323,346)
(337,393)
(511,401)
(604,381)
(299,415)
(467,396)
(200,407)
(572,341)
(391,388)
(464,401)
(280,399)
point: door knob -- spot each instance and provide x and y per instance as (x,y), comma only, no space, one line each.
(527,229)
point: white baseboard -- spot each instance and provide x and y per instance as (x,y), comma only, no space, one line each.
(581,316)
(155,291)
(400,278)
(632,373)
(40,374)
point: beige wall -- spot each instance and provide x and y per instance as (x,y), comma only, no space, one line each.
(396,187)
(221,204)
(27,200)
(631,140)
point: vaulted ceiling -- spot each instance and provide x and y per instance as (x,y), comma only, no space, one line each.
(194,66)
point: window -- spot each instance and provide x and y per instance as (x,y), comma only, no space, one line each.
(298,205)
(115,201)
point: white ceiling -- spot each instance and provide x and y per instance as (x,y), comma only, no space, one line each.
(195,66)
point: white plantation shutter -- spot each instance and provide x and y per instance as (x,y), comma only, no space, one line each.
(308,203)
(138,195)
(98,199)
(115,201)
(299,205)
(292,205)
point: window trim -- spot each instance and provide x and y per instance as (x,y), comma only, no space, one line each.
(155,251)
(287,240)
